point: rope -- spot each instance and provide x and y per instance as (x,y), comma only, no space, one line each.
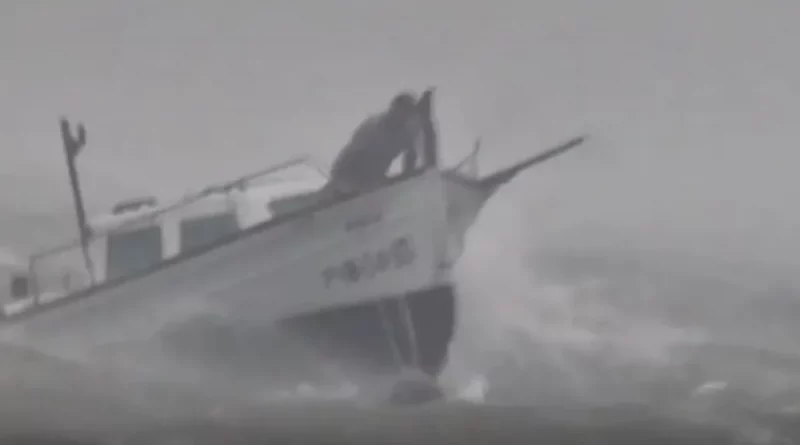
(390,337)
(411,331)
(391,334)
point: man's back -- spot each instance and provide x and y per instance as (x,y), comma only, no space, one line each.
(371,150)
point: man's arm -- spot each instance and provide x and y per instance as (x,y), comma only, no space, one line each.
(410,159)
(430,140)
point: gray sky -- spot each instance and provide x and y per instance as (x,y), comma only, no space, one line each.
(691,105)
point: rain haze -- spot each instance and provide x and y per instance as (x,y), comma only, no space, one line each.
(690,109)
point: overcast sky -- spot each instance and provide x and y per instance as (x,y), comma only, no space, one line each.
(692,106)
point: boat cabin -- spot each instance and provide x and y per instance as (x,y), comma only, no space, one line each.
(137,234)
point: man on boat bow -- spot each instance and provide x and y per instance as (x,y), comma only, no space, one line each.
(405,129)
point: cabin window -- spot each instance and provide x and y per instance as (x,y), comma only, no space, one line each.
(133,251)
(199,232)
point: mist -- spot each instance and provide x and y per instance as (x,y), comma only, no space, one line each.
(689,108)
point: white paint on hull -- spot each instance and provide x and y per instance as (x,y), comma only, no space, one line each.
(275,273)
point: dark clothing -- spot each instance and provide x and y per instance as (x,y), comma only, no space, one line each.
(365,160)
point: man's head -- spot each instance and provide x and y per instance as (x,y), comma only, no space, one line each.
(402,109)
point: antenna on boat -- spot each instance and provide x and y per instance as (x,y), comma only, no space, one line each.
(470,161)
(72,148)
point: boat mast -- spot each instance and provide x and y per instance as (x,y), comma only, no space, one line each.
(72,147)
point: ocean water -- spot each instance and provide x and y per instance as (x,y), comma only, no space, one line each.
(550,340)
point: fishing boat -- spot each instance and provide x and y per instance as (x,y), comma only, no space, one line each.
(362,278)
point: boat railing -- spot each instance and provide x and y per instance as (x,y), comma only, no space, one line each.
(241,183)
(64,270)
(52,274)
(61,271)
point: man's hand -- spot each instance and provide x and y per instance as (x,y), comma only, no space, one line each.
(410,160)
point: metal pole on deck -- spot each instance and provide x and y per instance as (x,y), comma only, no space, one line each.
(72,147)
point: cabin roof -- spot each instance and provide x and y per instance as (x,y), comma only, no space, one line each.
(204,203)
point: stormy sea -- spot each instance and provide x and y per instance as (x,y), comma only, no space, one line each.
(556,342)
(641,288)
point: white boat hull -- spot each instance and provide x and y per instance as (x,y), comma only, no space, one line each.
(331,264)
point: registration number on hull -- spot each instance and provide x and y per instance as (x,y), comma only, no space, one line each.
(397,255)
